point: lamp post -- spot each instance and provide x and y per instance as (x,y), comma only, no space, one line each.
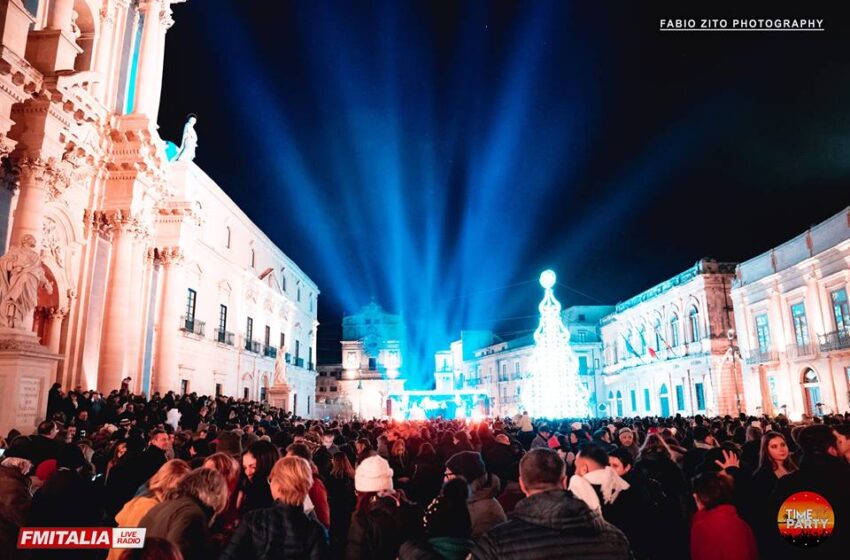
(732,353)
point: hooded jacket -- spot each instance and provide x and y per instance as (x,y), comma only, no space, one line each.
(484,510)
(553,524)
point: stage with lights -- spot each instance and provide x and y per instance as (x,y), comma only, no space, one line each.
(422,405)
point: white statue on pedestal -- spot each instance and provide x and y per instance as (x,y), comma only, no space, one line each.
(279,369)
(189,143)
(21,274)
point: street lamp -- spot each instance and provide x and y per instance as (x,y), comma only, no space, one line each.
(732,353)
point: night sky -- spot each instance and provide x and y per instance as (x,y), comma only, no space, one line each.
(439,155)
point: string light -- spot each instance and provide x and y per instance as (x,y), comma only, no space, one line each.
(556,391)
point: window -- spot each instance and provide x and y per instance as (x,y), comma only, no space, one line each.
(658,335)
(245,393)
(263,393)
(373,364)
(647,403)
(700,392)
(311,302)
(619,401)
(582,365)
(249,330)
(841,310)
(190,308)
(674,331)
(333,388)
(227,237)
(633,395)
(282,339)
(268,338)
(322,389)
(310,356)
(504,371)
(774,395)
(253,259)
(184,386)
(516,368)
(222,323)
(581,317)
(581,336)
(693,317)
(680,397)
(297,349)
(218,389)
(298,293)
(763,332)
(308,404)
(295,403)
(801,326)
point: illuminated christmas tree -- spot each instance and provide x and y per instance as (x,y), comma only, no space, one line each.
(556,391)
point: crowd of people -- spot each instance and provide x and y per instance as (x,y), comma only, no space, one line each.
(234,479)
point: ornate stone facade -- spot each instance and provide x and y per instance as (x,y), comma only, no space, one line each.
(792,305)
(140,252)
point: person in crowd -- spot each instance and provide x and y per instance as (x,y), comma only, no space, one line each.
(257,463)
(427,475)
(602,439)
(341,500)
(550,522)
(542,438)
(526,430)
(656,463)
(364,449)
(164,481)
(383,518)
(43,445)
(703,441)
(15,502)
(484,510)
(500,455)
(751,448)
(626,439)
(184,517)
(511,491)
(447,526)
(226,521)
(823,472)
(842,439)
(717,533)
(774,463)
(284,530)
(135,468)
(318,494)
(400,464)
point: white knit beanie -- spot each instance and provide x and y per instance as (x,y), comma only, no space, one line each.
(373,474)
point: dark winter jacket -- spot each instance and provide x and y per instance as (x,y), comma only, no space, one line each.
(485,511)
(15,503)
(378,532)
(438,548)
(183,521)
(281,531)
(553,524)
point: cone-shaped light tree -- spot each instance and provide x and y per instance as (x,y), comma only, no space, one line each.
(556,391)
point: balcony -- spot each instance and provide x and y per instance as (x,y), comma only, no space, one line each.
(224,337)
(192,326)
(269,351)
(298,362)
(287,358)
(252,346)
(801,350)
(761,357)
(473,381)
(838,340)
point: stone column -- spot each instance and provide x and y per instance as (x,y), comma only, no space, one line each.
(149,83)
(115,359)
(55,333)
(60,15)
(168,333)
(35,177)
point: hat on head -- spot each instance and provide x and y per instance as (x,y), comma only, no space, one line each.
(45,469)
(373,474)
(448,514)
(576,425)
(229,443)
(503,439)
(467,464)
(124,422)
(626,430)
(70,457)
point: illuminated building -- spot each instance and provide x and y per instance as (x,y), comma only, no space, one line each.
(666,349)
(156,274)
(792,307)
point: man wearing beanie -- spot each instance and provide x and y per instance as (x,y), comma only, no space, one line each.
(383,518)
(447,525)
(484,511)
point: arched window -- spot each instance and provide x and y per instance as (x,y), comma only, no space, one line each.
(693,318)
(811,387)
(658,335)
(674,330)
(642,341)
(619,403)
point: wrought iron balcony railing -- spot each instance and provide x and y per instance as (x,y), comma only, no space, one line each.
(252,346)
(298,362)
(269,351)
(287,358)
(801,350)
(761,357)
(224,337)
(192,325)
(837,340)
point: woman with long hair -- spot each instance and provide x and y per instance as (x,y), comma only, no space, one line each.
(775,461)
(655,461)
(284,530)
(341,499)
(400,463)
(257,463)
(427,475)
(225,523)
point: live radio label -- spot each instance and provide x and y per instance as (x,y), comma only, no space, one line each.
(81,537)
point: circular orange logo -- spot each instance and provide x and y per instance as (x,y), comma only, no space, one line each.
(805,519)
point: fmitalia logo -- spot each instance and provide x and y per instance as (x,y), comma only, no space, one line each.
(806,519)
(81,537)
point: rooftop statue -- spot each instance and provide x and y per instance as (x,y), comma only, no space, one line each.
(21,274)
(189,143)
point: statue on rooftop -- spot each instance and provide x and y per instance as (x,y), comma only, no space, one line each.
(21,274)
(189,143)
